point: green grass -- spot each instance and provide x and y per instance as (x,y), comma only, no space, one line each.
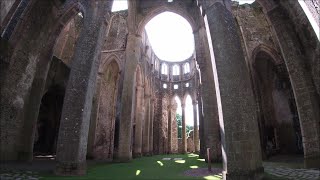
(145,168)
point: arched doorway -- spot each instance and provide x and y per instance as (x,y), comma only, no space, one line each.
(278,120)
(48,122)
(25,78)
(188,111)
(105,125)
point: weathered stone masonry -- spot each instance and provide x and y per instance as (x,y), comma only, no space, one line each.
(254,76)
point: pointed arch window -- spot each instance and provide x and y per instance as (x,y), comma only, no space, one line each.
(186,68)
(175,70)
(164,69)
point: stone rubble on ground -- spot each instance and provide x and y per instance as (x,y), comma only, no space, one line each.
(28,175)
(295,174)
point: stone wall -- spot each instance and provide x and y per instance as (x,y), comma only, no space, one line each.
(254,29)
(190,144)
(64,48)
(5,7)
(106,101)
(104,135)
(309,44)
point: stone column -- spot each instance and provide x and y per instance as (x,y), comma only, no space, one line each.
(139,120)
(236,106)
(184,133)
(302,84)
(195,128)
(151,125)
(146,130)
(201,130)
(32,111)
(126,116)
(93,118)
(209,108)
(75,119)
(169,127)
(24,64)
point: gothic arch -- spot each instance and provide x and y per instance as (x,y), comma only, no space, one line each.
(277,59)
(278,117)
(184,99)
(35,64)
(165,8)
(108,60)
(105,121)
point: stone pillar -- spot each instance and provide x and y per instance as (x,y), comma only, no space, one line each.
(195,128)
(31,112)
(93,118)
(139,120)
(146,130)
(202,153)
(169,127)
(126,116)
(151,125)
(302,84)
(236,106)
(75,119)
(184,133)
(174,128)
(209,109)
(21,58)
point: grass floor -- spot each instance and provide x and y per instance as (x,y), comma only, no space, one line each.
(146,168)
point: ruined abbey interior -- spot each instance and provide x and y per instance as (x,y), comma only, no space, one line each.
(79,82)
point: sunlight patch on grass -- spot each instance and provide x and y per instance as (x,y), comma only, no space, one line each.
(201,160)
(194,167)
(160,163)
(138,172)
(212,177)
(193,155)
(180,161)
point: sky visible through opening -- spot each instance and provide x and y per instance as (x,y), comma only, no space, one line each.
(188,110)
(170,36)
(120,5)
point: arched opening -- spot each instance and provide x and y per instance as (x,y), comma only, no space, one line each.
(175,70)
(105,123)
(189,123)
(170,36)
(177,125)
(47,128)
(186,68)
(164,69)
(48,70)
(279,122)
